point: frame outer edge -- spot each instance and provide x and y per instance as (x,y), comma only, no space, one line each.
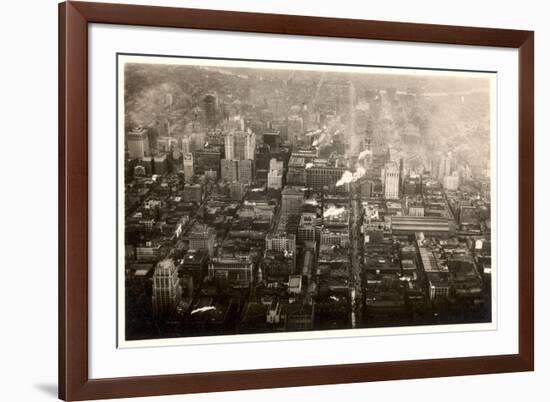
(526,201)
(74,383)
(73,202)
(244,21)
(62,350)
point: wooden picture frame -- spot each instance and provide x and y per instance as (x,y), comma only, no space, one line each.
(74,381)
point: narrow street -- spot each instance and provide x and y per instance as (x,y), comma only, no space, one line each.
(356,247)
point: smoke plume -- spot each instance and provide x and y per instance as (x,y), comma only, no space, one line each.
(351,177)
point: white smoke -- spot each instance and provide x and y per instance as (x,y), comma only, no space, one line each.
(203,309)
(359,172)
(309,165)
(364,154)
(333,211)
(319,140)
(351,177)
(256,190)
(312,133)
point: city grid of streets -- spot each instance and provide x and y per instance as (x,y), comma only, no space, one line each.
(260,201)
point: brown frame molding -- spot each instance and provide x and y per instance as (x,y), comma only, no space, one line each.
(74,17)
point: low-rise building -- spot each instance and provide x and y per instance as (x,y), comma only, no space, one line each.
(275,179)
(238,271)
(192,193)
(299,316)
(201,237)
(195,265)
(430,226)
(280,241)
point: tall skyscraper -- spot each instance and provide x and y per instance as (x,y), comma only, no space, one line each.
(445,166)
(185,145)
(295,129)
(369,132)
(246,171)
(229,146)
(367,155)
(188,167)
(250,146)
(166,288)
(138,143)
(391,181)
(305,116)
(229,170)
(211,108)
(197,141)
(240,145)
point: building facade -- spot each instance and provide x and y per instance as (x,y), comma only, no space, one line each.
(138,143)
(307,229)
(245,171)
(240,145)
(229,170)
(188,169)
(192,193)
(281,242)
(291,200)
(275,179)
(235,270)
(166,288)
(318,177)
(391,181)
(202,237)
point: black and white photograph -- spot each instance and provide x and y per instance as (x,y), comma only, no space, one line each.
(269,198)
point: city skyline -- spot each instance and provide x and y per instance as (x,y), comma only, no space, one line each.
(270,198)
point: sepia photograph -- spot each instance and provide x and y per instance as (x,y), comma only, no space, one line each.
(267,199)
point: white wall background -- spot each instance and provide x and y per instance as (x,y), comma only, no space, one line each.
(28,202)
